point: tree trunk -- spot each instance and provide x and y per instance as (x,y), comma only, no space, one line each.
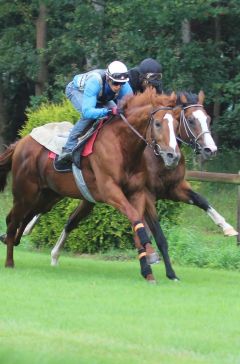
(217,105)
(99,7)
(186,31)
(3,119)
(41,32)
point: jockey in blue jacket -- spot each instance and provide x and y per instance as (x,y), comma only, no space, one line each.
(95,94)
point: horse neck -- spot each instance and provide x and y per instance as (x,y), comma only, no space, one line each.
(135,140)
(159,178)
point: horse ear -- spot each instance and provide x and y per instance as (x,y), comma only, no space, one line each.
(201,97)
(183,99)
(173,97)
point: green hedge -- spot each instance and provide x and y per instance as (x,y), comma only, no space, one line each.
(105,228)
(47,113)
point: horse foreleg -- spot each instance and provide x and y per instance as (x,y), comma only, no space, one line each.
(146,253)
(82,211)
(141,238)
(162,244)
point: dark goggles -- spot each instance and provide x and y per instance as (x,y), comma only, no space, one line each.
(116,83)
(119,76)
(153,76)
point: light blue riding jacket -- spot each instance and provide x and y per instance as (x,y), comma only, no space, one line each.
(94,96)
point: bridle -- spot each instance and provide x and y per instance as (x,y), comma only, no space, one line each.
(193,139)
(152,144)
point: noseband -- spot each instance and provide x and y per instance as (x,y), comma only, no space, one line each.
(153,144)
(193,139)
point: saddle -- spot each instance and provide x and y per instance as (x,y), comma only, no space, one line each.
(83,148)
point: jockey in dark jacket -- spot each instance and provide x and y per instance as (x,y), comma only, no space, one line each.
(147,73)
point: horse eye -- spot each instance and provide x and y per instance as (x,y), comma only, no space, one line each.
(191,121)
(158,124)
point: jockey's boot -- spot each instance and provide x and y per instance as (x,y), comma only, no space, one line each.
(65,156)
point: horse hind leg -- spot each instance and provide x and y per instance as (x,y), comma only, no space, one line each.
(20,232)
(82,211)
(228,230)
(13,222)
(55,253)
(4,236)
(28,229)
(44,203)
(184,193)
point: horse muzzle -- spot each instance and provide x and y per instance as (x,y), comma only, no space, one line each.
(208,153)
(170,159)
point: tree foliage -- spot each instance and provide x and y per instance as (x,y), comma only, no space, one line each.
(88,33)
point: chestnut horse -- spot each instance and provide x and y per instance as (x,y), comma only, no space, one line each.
(163,183)
(115,173)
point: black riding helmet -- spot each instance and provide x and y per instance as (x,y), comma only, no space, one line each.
(151,73)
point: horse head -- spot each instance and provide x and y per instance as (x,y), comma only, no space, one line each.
(194,128)
(158,128)
(164,126)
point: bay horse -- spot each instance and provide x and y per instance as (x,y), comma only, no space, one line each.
(115,173)
(171,185)
(163,183)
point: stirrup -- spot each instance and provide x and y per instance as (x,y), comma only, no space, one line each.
(84,136)
(65,156)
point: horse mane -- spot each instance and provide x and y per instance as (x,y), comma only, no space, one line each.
(148,97)
(186,98)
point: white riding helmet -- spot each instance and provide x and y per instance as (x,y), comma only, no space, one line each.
(117,71)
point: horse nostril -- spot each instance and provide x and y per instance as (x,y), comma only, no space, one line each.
(170,155)
(208,151)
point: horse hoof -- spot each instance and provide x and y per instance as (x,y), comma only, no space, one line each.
(152,282)
(150,279)
(153,258)
(173,278)
(9,265)
(3,238)
(54,262)
(230,232)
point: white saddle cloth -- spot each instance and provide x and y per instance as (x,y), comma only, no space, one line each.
(52,136)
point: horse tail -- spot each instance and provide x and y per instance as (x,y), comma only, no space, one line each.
(6,165)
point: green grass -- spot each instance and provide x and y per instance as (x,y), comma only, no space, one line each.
(102,312)
(197,241)
(95,311)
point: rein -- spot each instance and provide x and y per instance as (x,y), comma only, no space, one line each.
(193,139)
(153,144)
